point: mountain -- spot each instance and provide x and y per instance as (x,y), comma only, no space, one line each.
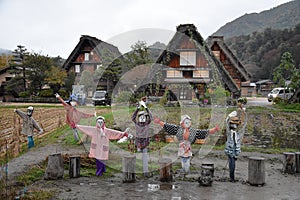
(281,17)
(5,51)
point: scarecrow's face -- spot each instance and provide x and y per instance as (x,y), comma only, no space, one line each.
(187,123)
(30,111)
(142,118)
(100,123)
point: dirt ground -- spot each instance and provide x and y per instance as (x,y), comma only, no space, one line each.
(277,185)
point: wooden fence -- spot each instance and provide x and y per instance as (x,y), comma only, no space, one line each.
(11,139)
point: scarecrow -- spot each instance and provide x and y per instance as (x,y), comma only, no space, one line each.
(186,136)
(73,116)
(142,118)
(236,122)
(101,135)
(29,124)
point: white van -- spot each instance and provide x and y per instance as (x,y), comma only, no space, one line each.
(282,93)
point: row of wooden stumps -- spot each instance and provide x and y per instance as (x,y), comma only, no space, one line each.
(55,168)
(256,168)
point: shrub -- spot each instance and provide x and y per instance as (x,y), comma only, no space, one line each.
(124,97)
(24,94)
(63,93)
(46,93)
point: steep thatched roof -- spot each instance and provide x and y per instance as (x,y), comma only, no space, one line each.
(96,44)
(190,31)
(229,54)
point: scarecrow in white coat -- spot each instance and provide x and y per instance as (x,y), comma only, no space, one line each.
(236,123)
(100,141)
(142,119)
(29,124)
(186,136)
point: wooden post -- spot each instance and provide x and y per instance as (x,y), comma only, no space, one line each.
(165,170)
(74,167)
(128,168)
(256,171)
(55,167)
(212,168)
(206,177)
(297,154)
(289,163)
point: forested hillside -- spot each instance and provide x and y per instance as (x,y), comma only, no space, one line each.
(281,17)
(261,52)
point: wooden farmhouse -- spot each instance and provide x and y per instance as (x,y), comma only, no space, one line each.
(91,54)
(5,76)
(232,64)
(189,63)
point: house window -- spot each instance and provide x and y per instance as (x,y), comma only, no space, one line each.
(98,66)
(217,54)
(174,74)
(188,58)
(187,74)
(77,68)
(201,74)
(86,56)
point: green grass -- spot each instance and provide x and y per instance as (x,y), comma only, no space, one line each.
(34,174)
(288,107)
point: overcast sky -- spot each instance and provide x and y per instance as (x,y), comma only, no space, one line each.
(54,27)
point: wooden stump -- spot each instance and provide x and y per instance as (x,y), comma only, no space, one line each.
(74,167)
(206,177)
(128,168)
(289,163)
(165,170)
(55,167)
(297,154)
(256,171)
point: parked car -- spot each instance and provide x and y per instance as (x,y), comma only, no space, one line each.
(101,98)
(283,93)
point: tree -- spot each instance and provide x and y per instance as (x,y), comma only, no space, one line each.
(55,78)
(139,55)
(18,83)
(286,71)
(37,66)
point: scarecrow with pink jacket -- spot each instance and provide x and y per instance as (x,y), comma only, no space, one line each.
(73,115)
(101,135)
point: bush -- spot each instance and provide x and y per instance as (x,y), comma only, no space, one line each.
(46,93)
(24,94)
(124,97)
(63,93)
(164,99)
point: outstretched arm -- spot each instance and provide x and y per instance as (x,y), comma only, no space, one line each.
(171,129)
(88,130)
(157,121)
(60,99)
(20,113)
(114,134)
(37,126)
